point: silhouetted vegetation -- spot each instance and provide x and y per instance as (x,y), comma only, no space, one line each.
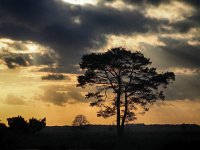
(137,137)
(80,121)
(128,77)
(35,125)
(20,125)
(2,126)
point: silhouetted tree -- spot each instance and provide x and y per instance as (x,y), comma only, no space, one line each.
(128,76)
(35,125)
(18,124)
(80,121)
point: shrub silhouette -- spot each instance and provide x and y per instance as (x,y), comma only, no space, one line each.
(3,128)
(35,125)
(18,124)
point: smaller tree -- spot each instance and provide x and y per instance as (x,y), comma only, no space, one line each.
(80,121)
(35,125)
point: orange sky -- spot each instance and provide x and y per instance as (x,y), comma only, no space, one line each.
(20,90)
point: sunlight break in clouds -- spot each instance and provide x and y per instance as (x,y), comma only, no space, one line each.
(17,47)
(133,42)
(120,5)
(81,2)
(174,11)
(27,54)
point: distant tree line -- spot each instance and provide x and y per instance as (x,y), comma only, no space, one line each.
(20,125)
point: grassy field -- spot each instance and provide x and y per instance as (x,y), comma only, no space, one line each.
(136,137)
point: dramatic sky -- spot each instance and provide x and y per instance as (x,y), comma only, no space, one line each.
(41,37)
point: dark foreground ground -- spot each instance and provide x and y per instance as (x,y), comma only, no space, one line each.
(136,137)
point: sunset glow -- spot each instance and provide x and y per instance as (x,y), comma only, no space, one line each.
(37,40)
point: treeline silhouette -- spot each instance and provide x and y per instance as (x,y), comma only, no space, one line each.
(143,137)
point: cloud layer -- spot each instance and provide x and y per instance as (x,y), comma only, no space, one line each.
(68,31)
(14,100)
(60,95)
(72,30)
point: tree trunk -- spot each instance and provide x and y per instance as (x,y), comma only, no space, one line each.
(125,113)
(118,108)
(118,115)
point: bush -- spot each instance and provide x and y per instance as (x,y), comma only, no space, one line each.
(17,124)
(3,128)
(35,125)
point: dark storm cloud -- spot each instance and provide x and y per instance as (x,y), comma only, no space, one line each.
(37,59)
(180,53)
(182,26)
(195,3)
(13,62)
(68,29)
(54,77)
(190,22)
(137,2)
(153,2)
(185,87)
(175,53)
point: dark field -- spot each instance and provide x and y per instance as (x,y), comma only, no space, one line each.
(136,137)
